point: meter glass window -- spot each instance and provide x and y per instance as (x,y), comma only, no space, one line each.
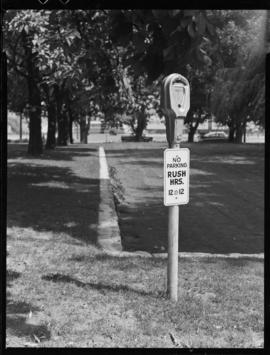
(178,95)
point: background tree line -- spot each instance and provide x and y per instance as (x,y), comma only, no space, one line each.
(72,65)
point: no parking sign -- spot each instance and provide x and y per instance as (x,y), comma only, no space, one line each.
(176,176)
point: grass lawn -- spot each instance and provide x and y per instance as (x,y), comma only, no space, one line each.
(57,193)
(226,209)
(64,292)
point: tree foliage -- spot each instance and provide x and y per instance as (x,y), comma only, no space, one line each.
(20,30)
(17,92)
(238,95)
(83,63)
(159,42)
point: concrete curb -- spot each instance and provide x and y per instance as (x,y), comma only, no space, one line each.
(108,238)
(144,254)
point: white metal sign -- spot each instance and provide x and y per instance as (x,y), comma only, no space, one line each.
(176,176)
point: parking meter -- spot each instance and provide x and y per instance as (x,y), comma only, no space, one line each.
(175,103)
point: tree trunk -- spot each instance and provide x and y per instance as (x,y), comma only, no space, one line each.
(245,132)
(35,146)
(103,126)
(84,129)
(192,131)
(191,136)
(231,132)
(51,142)
(70,130)
(238,133)
(21,116)
(62,119)
(70,124)
(62,138)
(141,125)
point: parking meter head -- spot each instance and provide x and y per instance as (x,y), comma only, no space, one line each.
(175,95)
(174,102)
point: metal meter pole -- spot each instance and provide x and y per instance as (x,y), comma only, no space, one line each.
(173,229)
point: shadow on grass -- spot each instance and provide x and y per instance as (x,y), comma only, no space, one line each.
(197,151)
(17,322)
(17,150)
(98,257)
(17,312)
(225,211)
(12,275)
(101,287)
(18,326)
(52,199)
(239,263)
(137,155)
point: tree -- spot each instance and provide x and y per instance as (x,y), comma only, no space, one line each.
(200,88)
(139,102)
(49,98)
(159,42)
(17,93)
(238,95)
(75,56)
(49,57)
(20,28)
(94,57)
(17,98)
(58,52)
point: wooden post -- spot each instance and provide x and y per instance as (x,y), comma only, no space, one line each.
(173,228)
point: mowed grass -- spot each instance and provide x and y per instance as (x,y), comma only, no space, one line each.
(58,192)
(225,213)
(64,292)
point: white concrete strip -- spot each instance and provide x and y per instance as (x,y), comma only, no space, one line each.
(108,237)
(108,224)
(103,167)
(259,256)
(214,255)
